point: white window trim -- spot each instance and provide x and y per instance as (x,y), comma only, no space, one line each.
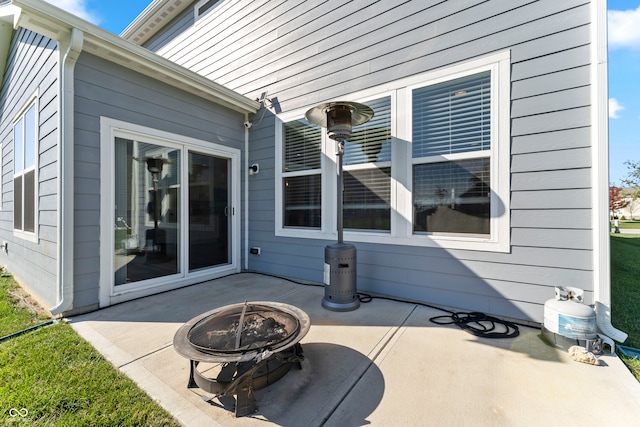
(32,101)
(401,180)
(109,130)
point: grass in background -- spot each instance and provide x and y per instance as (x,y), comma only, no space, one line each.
(53,377)
(625,291)
(630,225)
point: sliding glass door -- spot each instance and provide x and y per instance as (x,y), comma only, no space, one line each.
(162,226)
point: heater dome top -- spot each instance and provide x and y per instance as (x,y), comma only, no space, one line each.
(360,113)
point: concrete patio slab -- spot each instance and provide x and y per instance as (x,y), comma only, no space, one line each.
(453,378)
(385,364)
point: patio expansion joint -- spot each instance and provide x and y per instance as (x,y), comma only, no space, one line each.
(144,356)
(383,345)
(388,338)
(292,292)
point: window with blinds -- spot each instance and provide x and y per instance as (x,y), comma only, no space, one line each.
(452,120)
(371,142)
(367,171)
(302,146)
(431,168)
(24,180)
(367,197)
(452,117)
(302,178)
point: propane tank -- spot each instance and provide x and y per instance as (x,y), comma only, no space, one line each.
(567,316)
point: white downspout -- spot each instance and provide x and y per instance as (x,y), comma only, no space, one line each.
(600,174)
(246,193)
(65,224)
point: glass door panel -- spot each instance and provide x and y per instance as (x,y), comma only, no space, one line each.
(147,211)
(209,211)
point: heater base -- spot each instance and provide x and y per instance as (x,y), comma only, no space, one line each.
(340,292)
(334,306)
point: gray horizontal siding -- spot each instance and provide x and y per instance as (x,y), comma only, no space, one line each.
(551,122)
(551,141)
(105,89)
(561,60)
(319,50)
(551,199)
(551,180)
(261,203)
(422,43)
(555,82)
(551,160)
(549,102)
(550,218)
(32,69)
(565,239)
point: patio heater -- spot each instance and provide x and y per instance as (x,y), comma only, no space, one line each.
(340,292)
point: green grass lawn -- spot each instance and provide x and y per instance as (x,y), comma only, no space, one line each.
(625,291)
(630,225)
(53,377)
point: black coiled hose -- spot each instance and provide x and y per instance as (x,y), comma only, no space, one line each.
(480,324)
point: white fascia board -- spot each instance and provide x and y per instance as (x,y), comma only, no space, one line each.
(50,21)
(8,15)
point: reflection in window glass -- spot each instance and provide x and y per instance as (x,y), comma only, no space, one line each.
(209,201)
(371,142)
(452,197)
(147,195)
(302,201)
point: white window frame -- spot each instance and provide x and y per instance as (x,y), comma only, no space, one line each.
(401,164)
(32,102)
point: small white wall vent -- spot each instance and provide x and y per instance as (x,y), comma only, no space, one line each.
(202,7)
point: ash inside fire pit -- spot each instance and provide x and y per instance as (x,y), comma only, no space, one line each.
(243,328)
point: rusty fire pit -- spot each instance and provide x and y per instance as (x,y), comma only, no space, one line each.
(252,345)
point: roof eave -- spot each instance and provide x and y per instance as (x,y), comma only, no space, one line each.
(152,19)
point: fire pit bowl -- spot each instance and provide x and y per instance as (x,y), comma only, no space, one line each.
(251,344)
